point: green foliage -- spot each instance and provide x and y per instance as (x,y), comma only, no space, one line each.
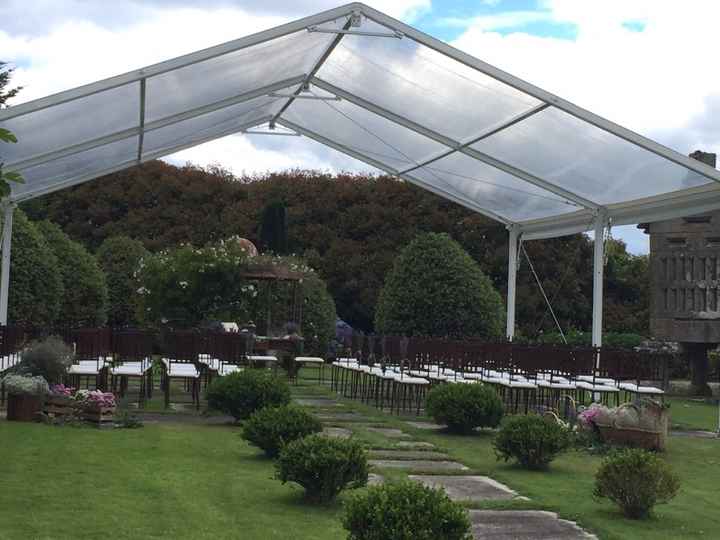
(577,338)
(533,441)
(242,393)
(464,407)
(636,480)
(36,286)
(271,428)
(274,229)
(49,359)
(85,295)
(350,228)
(319,316)
(120,258)
(6,94)
(324,466)
(436,289)
(5,135)
(405,511)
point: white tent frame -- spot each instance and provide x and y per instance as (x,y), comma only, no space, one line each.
(658,207)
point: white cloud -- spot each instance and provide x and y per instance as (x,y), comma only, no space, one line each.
(499,21)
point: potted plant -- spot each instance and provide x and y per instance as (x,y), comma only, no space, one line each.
(25,397)
(96,406)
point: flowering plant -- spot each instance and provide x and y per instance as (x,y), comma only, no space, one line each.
(95,399)
(23,384)
(62,390)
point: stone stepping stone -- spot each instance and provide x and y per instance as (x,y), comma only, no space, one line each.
(318,402)
(343,417)
(408,454)
(375,479)
(425,425)
(391,433)
(695,434)
(337,432)
(418,465)
(523,525)
(414,445)
(467,488)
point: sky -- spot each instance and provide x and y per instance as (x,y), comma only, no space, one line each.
(648,65)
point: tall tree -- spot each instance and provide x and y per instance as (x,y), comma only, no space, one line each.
(5,92)
(274,228)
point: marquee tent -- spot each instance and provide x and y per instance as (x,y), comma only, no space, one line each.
(387,94)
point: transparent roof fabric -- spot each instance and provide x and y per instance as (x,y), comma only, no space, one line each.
(393,97)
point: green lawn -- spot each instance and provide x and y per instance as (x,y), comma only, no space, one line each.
(686,413)
(185,481)
(161,481)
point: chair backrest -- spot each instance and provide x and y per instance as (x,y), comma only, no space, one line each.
(92,343)
(229,347)
(132,344)
(181,346)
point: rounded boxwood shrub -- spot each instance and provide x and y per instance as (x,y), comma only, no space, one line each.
(242,393)
(635,480)
(405,511)
(533,441)
(436,289)
(324,466)
(271,428)
(463,407)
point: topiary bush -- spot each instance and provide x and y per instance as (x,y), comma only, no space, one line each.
(436,289)
(36,286)
(85,295)
(242,393)
(324,466)
(49,359)
(405,511)
(120,257)
(533,441)
(464,407)
(636,480)
(271,428)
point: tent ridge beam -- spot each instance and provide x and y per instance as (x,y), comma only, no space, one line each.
(542,95)
(177,63)
(392,172)
(519,118)
(141,135)
(319,64)
(151,126)
(130,163)
(455,145)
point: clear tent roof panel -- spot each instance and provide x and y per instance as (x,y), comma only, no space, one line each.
(404,102)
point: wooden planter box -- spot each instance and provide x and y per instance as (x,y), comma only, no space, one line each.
(23,408)
(101,415)
(59,406)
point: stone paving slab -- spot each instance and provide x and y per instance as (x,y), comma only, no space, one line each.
(337,432)
(318,402)
(408,454)
(391,433)
(523,525)
(467,488)
(425,425)
(375,479)
(696,434)
(417,465)
(414,445)
(343,417)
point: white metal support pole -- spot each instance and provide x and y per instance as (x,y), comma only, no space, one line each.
(513,238)
(598,275)
(5,266)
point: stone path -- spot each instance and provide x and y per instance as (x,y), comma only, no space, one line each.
(696,434)
(418,465)
(436,469)
(524,525)
(468,488)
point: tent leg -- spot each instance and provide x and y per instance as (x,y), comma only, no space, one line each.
(512,281)
(5,264)
(598,274)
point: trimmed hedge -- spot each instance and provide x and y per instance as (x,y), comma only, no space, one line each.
(636,480)
(436,289)
(242,393)
(324,466)
(464,407)
(405,511)
(533,441)
(271,428)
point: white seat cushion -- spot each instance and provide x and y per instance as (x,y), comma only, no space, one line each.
(309,360)
(598,380)
(597,387)
(632,387)
(262,358)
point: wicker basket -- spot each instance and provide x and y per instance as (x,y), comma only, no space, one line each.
(649,439)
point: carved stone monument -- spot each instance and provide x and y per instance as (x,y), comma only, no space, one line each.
(685,284)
